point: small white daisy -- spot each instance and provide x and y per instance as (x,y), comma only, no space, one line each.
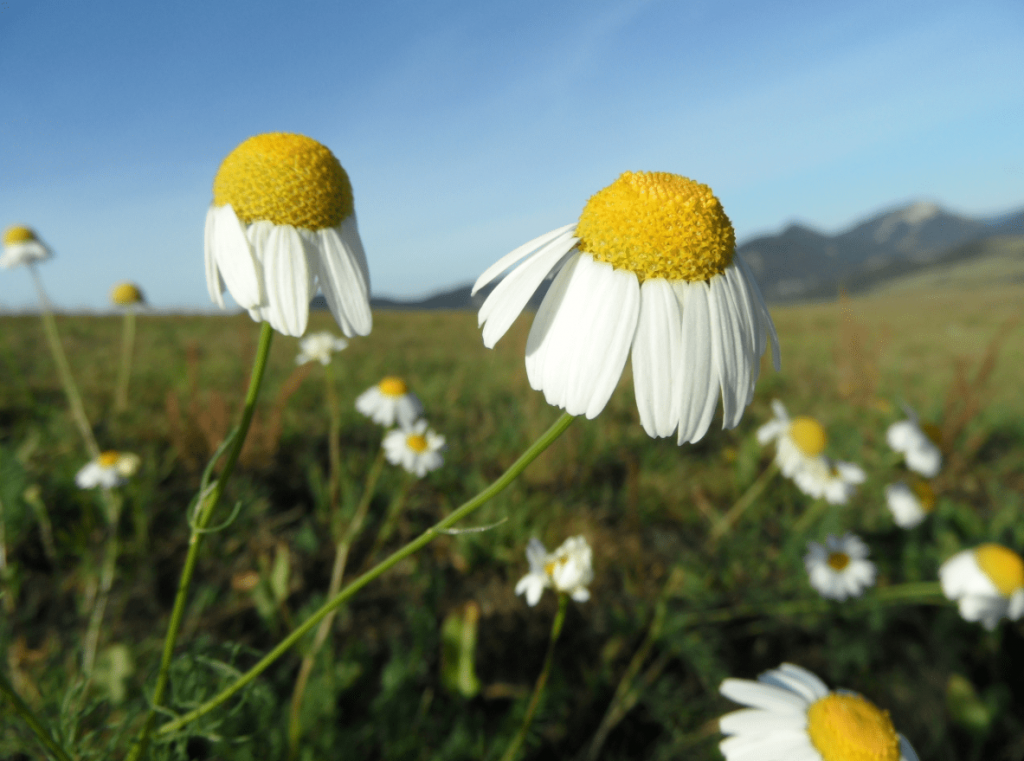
(834,480)
(839,568)
(793,716)
(798,441)
(988,583)
(22,246)
(918,443)
(319,347)
(281,223)
(417,448)
(108,470)
(389,403)
(568,569)
(651,267)
(126,295)
(909,504)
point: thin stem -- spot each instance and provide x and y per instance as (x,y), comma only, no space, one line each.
(205,510)
(744,502)
(542,680)
(63,369)
(393,514)
(333,433)
(422,540)
(92,635)
(812,514)
(337,573)
(125,371)
(30,718)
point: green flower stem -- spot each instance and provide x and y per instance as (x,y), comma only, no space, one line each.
(63,369)
(30,718)
(204,512)
(813,513)
(333,434)
(542,680)
(349,591)
(744,502)
(337,574)
(92,635)
(393,514)
(125,371)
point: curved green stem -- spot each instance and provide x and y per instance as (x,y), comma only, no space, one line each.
(423,539)
(92,636)
(542,680)
(744,502)
(30,718)
(204,512)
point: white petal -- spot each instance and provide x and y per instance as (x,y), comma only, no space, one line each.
(729,361)
(342,281)
(698,393)
(767,326)
(757,721)
(286,278)
(818,687)
(538,342)
(907,752)
(235,258)
(656,358)
(214,282)
(511,258)
(764,696)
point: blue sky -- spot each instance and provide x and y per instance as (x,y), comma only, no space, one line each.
(468,128)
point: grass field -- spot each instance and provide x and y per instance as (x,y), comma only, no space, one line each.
(670,605)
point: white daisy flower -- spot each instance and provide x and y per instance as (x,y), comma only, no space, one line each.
(988,583)
(834,480)
(389,403)
(918,443)
(792,716)
(568,569)
(281,223)
(126,295)
(319,347)
(108,470)
(417,448)
(798,441)
(909,504)
(839,568)
(22,246)
(651,267)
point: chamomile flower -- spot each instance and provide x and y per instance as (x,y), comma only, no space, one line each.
(568,569)
(22,246)
(389,403)
(416,448)
(834,480)
(281,223)
(108,470)
(649,269)
(918,443)
(799,441)
(792,715)
(839,568)
(319,347)
(987,582)
(909,503)
(126,295)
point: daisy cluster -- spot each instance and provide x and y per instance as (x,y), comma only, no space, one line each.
(411,443)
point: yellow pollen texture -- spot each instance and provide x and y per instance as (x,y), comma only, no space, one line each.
(285,179)
(18,234)
(838,560)
(850,728)
(392,386)
(109,459)
(125,294)
(1003,566)
(656,224)
(416,443)
(925,495)
(808,434)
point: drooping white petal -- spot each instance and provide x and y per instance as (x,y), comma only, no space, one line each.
(729,362)
(286,278)
(767,326)
(792,745)
(343,283)
(818,687)
(764,696)
(542,341)
(656,358)
(235,258)
(698,394)
(214,282)
(511,258)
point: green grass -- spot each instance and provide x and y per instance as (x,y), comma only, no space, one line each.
(645,506)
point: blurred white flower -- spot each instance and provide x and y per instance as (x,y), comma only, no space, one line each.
(917,443)
(319,347)
(909,504)
(416,448)
(568,569)
(108,470)
(792,716)
(390,403)
(798,441)
(839,568)
(823,477)
(22,246)
(987,582)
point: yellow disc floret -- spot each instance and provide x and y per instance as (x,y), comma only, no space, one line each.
(838,560)
(18,234)
(656,224)
(925,495)
(1003,566)
(109,459)
(416,442)
(125,294)
(808,434)
(850,728)
(392,386)
(285,179)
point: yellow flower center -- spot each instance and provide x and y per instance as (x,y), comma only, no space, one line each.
(552,565)
(656,224)
(925,495)
(18,234)
(109,459)
(850,728)
(838,560)
(392,386)
(808,434)
(933,432)
(1003,566)
(125,294)
(285,179)
(416,442)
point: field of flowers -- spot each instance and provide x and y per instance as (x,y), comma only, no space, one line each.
(698,551)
